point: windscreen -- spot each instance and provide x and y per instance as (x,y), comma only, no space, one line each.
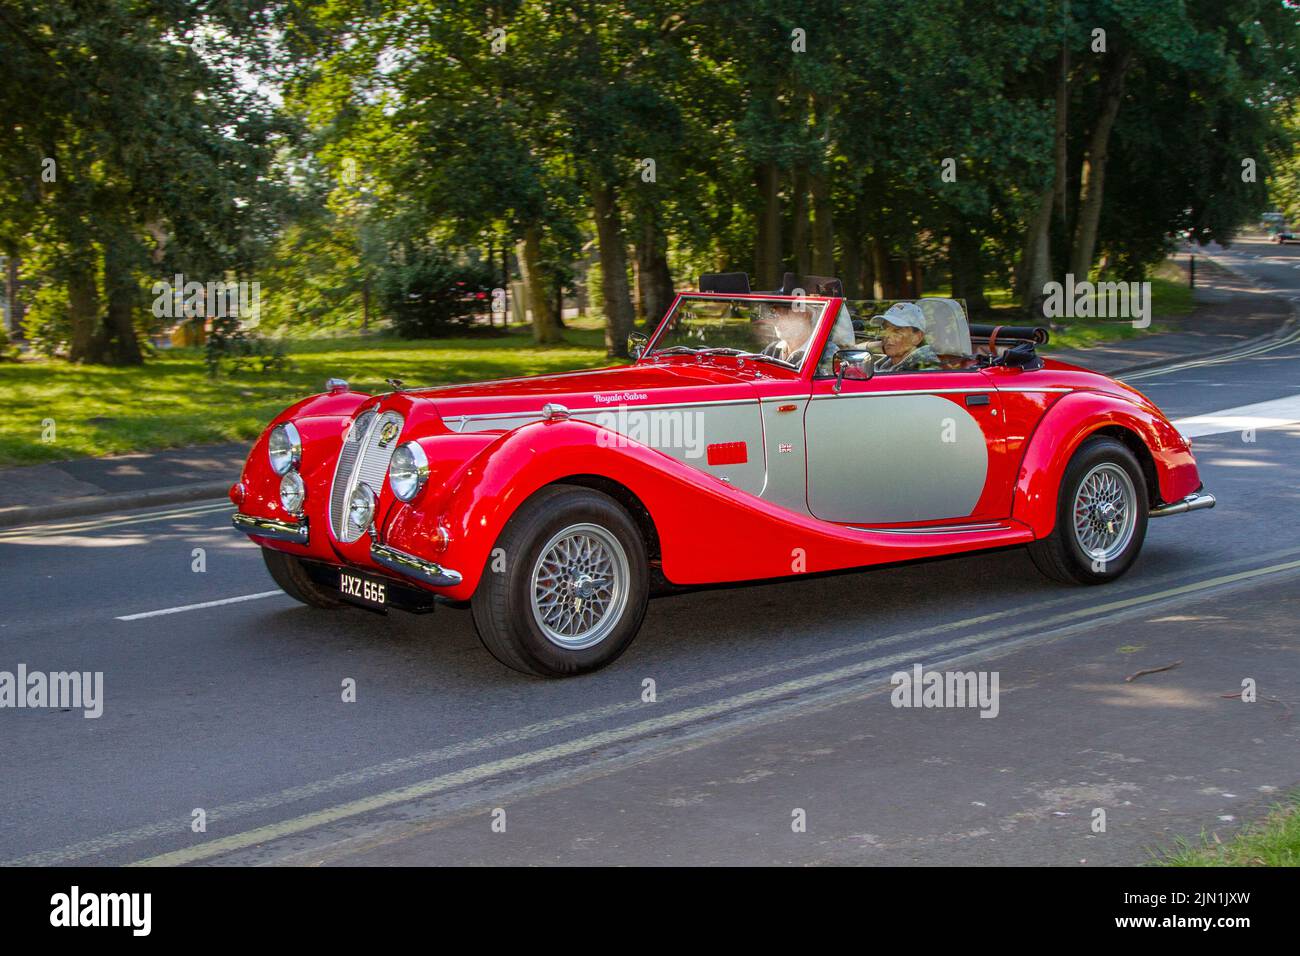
(780,329)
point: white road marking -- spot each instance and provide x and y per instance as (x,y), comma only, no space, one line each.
(496,740)
(196,607)
(1277,413)
(764,695)
(44,529)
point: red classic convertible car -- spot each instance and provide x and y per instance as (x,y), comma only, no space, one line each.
(755,436)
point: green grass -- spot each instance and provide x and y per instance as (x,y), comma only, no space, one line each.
(171,402)
(1274,841)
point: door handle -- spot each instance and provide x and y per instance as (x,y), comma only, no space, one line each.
(977,399)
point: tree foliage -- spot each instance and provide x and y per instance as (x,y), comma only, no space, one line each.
(354,155)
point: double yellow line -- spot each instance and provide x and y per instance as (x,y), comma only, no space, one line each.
(1041,630)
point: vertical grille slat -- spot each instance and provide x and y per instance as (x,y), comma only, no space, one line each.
(362,459)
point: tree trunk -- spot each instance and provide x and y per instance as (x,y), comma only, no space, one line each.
(619,319)
(365,303)
(1036,261)
(885,284)
(654,281)
(1093,174)
(122,345)
(505,280)
(967,269)
(545,331)
(13,297)
(851,271)
(83,313)
(1062,138)
(767,259)
(823,254)
(801,259)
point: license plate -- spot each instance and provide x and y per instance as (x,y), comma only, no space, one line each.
(356,587)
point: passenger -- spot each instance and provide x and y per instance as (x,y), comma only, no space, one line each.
(902,333)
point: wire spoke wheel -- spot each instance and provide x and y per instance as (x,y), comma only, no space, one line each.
(1105,512)
(580,586)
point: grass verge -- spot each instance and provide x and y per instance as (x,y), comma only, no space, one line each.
(171,402)
(1274,841)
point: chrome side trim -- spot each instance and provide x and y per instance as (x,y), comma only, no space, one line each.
(938,529)
(412,567)
(1193,502)
(937,391)
(606,407)
(295,531)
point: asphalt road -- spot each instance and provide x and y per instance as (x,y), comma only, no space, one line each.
(771,701)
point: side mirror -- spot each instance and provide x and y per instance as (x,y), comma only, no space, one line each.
(636,344)
(854,364)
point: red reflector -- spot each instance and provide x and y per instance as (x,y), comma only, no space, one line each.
(786,408)
(728,453)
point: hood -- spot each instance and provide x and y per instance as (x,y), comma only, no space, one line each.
(640,384)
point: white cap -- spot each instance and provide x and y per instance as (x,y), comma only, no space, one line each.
(905,314)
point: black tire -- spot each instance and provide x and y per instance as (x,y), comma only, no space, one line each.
(288,572)
(503,608)
(1060,555)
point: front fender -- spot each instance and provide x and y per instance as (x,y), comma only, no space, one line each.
(1067,424)
(321,421)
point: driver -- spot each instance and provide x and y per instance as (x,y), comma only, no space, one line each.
(902,335)
(789,329)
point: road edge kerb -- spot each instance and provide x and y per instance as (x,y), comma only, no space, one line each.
(119,501)
(1286,327)
(176,494)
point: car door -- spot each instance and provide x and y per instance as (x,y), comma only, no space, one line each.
(906,447)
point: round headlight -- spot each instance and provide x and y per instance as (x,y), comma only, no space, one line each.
(292,493)
(361,507)
(284,448)
(408,471)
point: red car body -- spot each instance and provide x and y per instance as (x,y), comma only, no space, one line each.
(700,525)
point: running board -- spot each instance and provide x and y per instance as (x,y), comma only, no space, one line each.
(938,529)
(1193,502)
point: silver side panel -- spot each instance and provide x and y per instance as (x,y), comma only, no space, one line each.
(683,432)
(884,458)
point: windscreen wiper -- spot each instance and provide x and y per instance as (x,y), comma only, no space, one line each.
(761,357)
(741,353)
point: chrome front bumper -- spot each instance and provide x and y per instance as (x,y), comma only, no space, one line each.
(410,566)
(1193,502)
(295,531)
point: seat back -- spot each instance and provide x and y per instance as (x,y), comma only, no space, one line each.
(949,333)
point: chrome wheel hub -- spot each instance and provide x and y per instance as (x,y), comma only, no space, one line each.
(580,586)
(1105,512)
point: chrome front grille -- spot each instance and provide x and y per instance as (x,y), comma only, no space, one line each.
(364,458)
